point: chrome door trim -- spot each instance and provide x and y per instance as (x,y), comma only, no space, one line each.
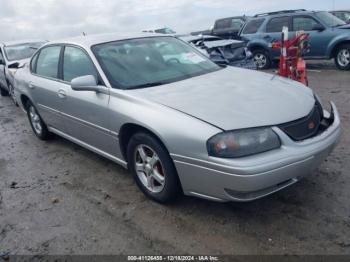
(84,122)
(48,109)
(105,130)
(89,147)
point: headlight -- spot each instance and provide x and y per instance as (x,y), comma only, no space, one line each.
(243,142)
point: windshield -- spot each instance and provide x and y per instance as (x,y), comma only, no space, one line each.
(146,62)
(329,19)
(21,51)
(345,16)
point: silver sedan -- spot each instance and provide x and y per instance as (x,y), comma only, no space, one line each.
(179,122)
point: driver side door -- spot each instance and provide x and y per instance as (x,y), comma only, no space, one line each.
(85,113)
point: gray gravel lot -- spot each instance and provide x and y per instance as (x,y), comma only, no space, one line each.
(58,198)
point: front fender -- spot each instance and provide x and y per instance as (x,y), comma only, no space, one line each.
(256,41)
(180,133)
(335,42)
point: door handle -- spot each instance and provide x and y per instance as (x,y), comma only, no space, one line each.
(267,37)
(61,93)
(31,85)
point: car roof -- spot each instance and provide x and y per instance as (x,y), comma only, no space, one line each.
(231,17)
(283,13)
(339,11)
(89,40)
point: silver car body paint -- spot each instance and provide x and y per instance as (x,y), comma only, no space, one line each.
(184,115)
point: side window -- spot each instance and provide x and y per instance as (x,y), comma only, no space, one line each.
(33,63)
(253,26)
(47,62)
(303,23)
(222,24)
(77,63)
(236,23)
(276,24)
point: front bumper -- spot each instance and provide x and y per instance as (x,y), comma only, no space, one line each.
(253,177)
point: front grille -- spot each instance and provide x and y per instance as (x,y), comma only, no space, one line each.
(306,127)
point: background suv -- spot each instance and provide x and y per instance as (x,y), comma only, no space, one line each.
(329,36)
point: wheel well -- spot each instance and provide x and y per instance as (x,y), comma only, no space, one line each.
(336,47)
(24,100)
(127,131)
(257,47)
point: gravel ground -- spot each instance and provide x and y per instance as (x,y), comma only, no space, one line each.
(58,198)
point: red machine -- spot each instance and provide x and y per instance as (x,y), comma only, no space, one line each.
(292,65)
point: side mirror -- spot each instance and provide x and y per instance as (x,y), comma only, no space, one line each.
(14,66)
(85,83)
(318,27)
(2,62)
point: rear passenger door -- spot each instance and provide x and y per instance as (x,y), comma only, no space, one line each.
(273,32)
(45,87)
(86,113)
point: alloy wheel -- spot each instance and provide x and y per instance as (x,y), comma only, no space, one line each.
(343,57)
(35,120)
(260,60)
(149,169)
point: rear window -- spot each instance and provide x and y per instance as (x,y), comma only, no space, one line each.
(277,24)
(223,23)
(236,23)
(253,26)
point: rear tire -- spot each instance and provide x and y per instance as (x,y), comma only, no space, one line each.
(342,57)
(3,92)
(261,59)
(39,127)
(12,94)
(152,168)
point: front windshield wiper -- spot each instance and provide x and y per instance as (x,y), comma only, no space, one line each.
(147,85)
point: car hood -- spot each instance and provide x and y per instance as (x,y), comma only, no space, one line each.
(234,98)
(347,26)
(221,43)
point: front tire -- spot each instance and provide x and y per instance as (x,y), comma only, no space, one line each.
(36,122)
(342,57)
(152,168)
(261,59)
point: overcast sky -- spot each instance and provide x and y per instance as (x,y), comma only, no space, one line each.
(52,19)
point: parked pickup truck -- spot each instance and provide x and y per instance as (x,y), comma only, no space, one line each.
(12,54)
(227,28)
